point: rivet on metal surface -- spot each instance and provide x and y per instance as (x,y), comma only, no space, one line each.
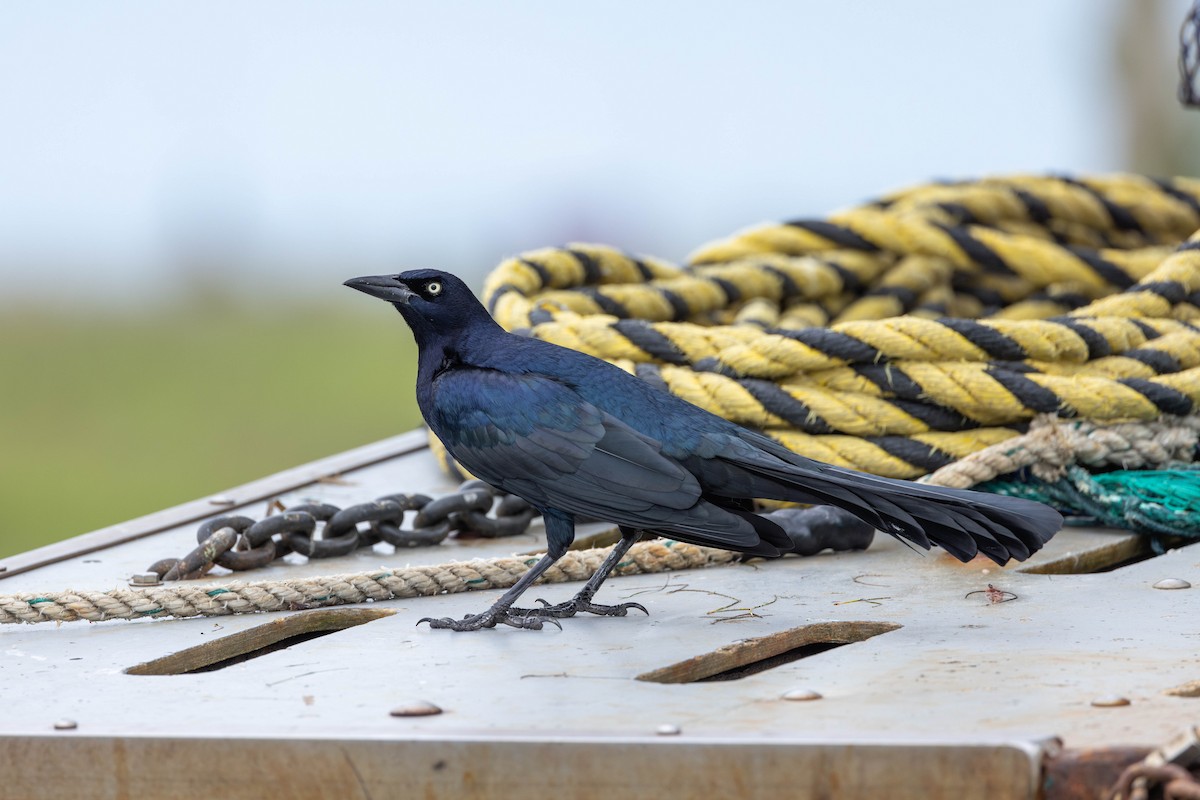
(1111,701)
(145,579)
(66,725)
(221,500)
(668,730)
(800,695)
(1172,583)
(419,708)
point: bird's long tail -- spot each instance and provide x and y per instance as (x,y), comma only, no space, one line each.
(964,522)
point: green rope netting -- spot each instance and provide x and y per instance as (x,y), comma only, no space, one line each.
(1156,502)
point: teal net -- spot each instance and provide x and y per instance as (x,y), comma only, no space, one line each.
(1158,502)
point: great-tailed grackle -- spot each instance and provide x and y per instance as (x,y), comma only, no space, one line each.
(574,435)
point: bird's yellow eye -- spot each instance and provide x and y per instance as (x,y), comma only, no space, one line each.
(433,288)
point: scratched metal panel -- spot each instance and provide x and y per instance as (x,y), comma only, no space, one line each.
(960,682)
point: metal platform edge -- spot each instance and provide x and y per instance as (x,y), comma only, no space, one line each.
(580,768)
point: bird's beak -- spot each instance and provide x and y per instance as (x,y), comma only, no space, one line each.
(385,287)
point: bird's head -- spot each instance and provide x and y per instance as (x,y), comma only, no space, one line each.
(433,303)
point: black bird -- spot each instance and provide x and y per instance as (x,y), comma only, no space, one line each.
(574,435)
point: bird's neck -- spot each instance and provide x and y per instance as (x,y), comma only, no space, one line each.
(469,346)
(435,358)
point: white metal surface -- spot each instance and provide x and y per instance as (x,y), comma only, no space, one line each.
(965,689)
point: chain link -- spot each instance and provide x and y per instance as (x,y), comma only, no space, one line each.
(240,543)
(1168,769)
(1137,781)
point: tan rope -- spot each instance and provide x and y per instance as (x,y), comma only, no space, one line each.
(1053,444)
(189,600)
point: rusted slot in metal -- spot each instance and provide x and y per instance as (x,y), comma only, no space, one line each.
(751,656)
(1123,551)
(258,641)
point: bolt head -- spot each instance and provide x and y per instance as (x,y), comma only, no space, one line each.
(1172,583)
(145,579)
(668,730)
(66,725)
(417,708)
(1111,701)
(801,695)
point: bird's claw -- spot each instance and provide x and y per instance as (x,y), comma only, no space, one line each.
(577,605)
(516,617)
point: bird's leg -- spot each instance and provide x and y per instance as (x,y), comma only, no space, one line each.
(502,612)
(560,531)
(583,600)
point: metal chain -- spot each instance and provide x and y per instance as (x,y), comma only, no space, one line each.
(240,543)
(1176,783)
(1168,768)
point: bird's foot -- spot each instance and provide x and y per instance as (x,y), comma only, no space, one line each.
(577,605)
(516,617)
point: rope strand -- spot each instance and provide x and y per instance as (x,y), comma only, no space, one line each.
(189,600)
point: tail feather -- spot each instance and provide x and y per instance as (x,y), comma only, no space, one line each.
(963,522)
(967,523)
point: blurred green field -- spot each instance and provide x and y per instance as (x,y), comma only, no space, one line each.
(107,418)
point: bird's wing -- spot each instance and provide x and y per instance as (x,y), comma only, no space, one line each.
(537,438)
(731,463)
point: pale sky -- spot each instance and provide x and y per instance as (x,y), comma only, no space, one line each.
(307,142)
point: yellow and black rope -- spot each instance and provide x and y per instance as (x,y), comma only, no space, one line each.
(904,334)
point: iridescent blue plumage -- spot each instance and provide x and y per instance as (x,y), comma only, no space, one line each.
(575,435)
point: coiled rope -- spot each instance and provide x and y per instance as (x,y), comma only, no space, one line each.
(903,335)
